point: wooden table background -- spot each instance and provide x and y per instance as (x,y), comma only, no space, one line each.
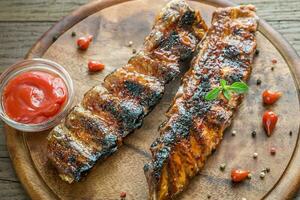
(22,22)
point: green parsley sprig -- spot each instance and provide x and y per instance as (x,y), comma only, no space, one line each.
(227,90)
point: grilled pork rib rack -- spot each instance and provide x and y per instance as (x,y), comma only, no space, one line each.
(95,128)
(195,126)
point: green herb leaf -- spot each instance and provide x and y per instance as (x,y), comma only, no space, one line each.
(213,94)
(239,87)
(227,90)
(227,94)
(223,83)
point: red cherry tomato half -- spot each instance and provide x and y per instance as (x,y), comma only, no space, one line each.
(269,121)
(270,97)
(95,66)
(83,43)
(238,175)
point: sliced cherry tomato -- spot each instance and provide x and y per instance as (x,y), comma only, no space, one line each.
(269,121)
(270,97)
(83,43)
(238,175)
(95,66)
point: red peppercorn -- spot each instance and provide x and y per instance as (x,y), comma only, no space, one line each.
(269,121)
(273,150)
(83,43)
(274,61)
(270,97)
(95,66)
(238,175)
(123,195)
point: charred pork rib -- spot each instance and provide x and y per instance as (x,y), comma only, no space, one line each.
(195,126)
(95,128)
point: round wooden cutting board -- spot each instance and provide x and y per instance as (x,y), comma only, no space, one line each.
(115,22)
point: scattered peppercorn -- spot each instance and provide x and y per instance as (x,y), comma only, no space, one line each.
(253,134)
(274,61)
(264,170)
(130,43)
(233,133)
(123,195)
(272,68)
(73,34)
(249,176)
(262,175)
(257,52)
(208,196)
(268,169)
(291,133)
(258,82)
(54,38)
(273,151)
(222,166)
(133,51)
(255,155)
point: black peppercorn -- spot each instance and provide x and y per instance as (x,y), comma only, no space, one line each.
(253,134)
(54,38)
(258,82)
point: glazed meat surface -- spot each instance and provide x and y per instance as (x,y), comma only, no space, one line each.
(95,128)
(195,126)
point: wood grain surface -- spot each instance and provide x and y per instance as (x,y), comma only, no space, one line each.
(19,29)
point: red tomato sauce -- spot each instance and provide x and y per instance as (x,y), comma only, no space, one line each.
(34,97)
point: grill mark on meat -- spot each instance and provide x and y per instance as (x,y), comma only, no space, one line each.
(195,126)
(126,113)
(95,128)
(88,128)
(147,65)
(146,90)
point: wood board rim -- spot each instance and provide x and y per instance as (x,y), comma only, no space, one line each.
(35,186)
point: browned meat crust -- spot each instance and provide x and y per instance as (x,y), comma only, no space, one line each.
(195,126)
(95,128)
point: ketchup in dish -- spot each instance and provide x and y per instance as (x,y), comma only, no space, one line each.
(33,97)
